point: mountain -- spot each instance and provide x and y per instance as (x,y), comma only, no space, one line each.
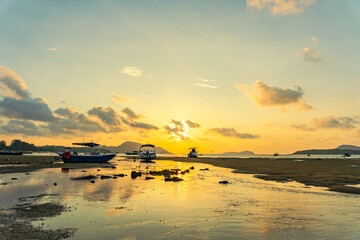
(339,150)
(129,146)
(239,153)
(349,147)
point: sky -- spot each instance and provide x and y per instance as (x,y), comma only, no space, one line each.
(259,75)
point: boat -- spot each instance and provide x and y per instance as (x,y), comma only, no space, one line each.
(95,157)
(347,155)
(10,153)
(147,152)
(193,153)
(276,154)
(133,153)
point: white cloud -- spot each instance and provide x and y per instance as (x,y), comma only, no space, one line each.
(310,55)
(268,96)
(280,7)
(132,71)
(51,49)
(314,40)
(205,85)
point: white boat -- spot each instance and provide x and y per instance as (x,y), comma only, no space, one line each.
(193,153)
(147,152)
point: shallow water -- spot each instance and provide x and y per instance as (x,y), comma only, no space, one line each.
(196,208)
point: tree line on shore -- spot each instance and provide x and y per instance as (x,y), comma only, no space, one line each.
(18,145)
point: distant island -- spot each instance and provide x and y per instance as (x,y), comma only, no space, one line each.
(340,150)
(239,153)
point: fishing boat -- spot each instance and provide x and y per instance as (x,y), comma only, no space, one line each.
(276,154)
(10,153)
(133,153)
(94,157)
(147,152)
(347,155)
(193,153)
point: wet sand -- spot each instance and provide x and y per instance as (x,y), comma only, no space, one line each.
(332,173)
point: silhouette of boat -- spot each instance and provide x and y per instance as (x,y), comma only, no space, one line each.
(10,153)
(193,153)
(133,153)
(95,157)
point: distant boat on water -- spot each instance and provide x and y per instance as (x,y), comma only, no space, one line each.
(133,153)
(276,154)
(10,153)
(193,153)
(95,157)
(147,152)
(347,155)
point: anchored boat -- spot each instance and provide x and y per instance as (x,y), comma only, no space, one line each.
(147,152)
(193,153)
(94,157)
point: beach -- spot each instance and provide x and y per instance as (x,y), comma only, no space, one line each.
(335,174)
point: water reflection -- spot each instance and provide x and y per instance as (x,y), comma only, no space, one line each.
(197,208)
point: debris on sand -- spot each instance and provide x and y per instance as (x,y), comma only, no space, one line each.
(135,174)
(223,182)
(105,177)
(173,179)
(87,177)
(15,223)
(149,178)
(119,175)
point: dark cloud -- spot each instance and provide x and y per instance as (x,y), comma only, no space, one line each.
(302,127)
(12,85)
(107,115)
(267,95)
(139,125)
(130,113)
(335,122)
(178,129)
(23,127)
(192,124)
(26,109)
(231,132)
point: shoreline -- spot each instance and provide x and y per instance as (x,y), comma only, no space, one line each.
(335,174)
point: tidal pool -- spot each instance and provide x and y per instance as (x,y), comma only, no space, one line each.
(196,208)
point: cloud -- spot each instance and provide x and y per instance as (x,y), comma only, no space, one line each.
(27,128)
(179,129)
(204,83)
(280,7)
(130,113)
(26,109)
(192,124)
(121,99)
(310,55)
(142,125)
(107,115)
(268,96)
(12,85)
(314,40)
(231,132)
(51,49)
(335,122)
(132,71)
(302,127)
(205,80)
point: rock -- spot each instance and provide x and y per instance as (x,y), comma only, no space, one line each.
(173,179)
(192,168)
(134,174)
(113,167)
(105,177)
(92,181)
(55,184)
(114,177)
(14,178)
(98,170)
(224,182)
(88,177)
(119,175)
(149,178)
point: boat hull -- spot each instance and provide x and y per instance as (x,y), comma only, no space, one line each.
(148,156)
(11,153)
(89,158)
(132,153)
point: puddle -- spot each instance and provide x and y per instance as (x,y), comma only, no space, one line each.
(196,208)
